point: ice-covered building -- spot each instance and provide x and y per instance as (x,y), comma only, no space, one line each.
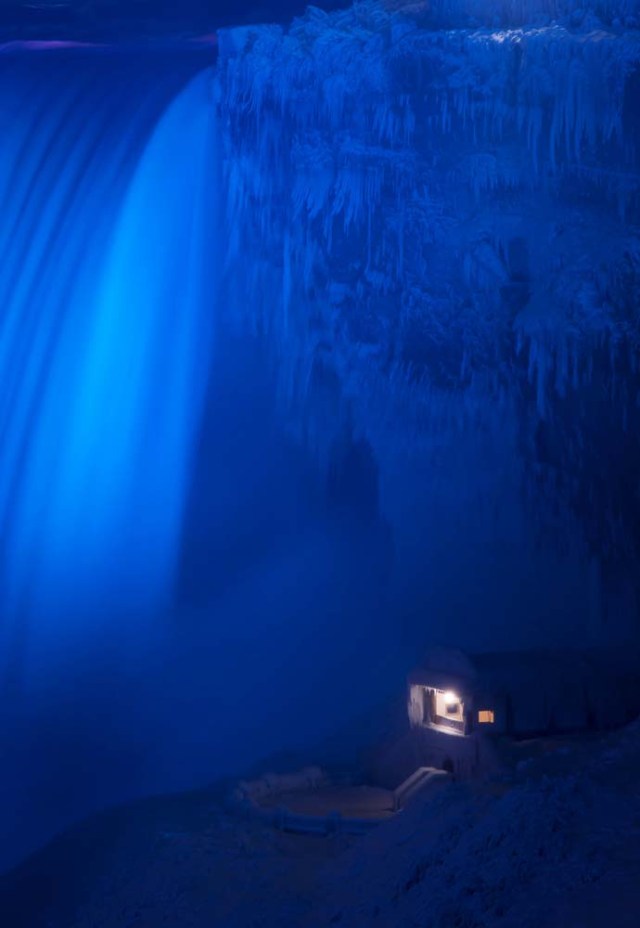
(516,694)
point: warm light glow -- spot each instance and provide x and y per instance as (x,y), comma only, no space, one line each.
(450,699)
(486,716)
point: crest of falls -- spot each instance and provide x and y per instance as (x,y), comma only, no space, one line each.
(107,255)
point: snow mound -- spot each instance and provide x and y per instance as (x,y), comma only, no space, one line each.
(506,853)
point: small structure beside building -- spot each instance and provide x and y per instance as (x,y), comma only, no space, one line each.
(459,705)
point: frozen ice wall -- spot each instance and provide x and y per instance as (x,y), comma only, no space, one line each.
(515,13)
(443,230)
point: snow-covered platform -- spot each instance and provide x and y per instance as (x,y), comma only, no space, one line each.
(368,802)
(308,802)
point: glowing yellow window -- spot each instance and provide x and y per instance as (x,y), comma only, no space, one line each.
(486,716)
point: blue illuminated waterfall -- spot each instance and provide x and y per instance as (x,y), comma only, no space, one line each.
(107,286)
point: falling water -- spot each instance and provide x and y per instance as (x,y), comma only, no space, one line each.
(107,253)
(143,467)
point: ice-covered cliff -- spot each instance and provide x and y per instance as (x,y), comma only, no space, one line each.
(433,210)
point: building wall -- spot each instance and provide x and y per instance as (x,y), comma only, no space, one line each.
(465,757)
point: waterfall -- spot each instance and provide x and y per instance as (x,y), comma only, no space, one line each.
(107,284)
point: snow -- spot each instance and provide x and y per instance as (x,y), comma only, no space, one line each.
(555,842)
(521,851)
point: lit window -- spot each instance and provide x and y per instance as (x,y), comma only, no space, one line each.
(486,717)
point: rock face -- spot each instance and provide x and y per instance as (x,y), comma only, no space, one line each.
(443,230)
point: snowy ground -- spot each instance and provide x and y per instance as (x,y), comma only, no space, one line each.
(555,844)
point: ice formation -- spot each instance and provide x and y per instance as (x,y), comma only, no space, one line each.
(444,223)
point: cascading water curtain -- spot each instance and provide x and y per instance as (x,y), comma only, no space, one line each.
(107,285)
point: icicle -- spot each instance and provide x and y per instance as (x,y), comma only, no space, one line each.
(286,282)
